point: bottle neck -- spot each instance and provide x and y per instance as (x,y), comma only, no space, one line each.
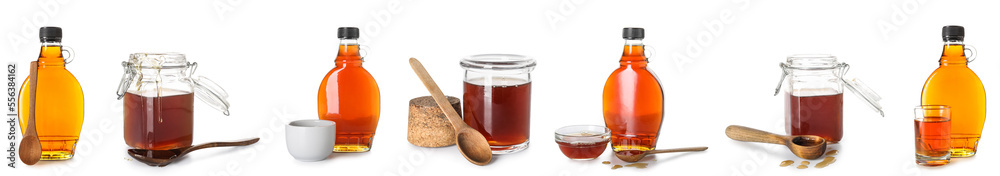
(633,53)
(51,54)
(953,54)
(348,53)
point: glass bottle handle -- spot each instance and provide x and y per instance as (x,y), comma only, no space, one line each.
(68,54)
(650,50)
(970,53)
(363,51)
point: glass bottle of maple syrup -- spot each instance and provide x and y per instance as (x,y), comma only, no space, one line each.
(58,101)
(633,98)
(955,85)
(349,96)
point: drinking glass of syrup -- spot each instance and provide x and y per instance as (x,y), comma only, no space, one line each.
(932,124)
(814,100)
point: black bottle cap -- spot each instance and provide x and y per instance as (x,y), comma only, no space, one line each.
(347,33)
(633,33)
(953,33)
(50,34)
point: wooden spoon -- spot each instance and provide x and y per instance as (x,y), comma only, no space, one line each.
(31,148)
(161,158)
(470,142)
(636,155)
(803,146)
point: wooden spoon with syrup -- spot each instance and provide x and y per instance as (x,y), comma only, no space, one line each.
(161,158)
(31,147)
(471,143)
(803,146)
(636,155)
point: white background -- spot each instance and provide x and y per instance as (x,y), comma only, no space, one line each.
(272,55)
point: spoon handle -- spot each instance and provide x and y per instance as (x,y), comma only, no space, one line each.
(689,149)
(439,98)
(222,144)
(741,133)
(32,93)
(31,147)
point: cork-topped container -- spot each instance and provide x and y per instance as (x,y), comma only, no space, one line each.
(428,126)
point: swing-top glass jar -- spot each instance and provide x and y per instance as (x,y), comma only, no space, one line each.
(814,101)
(158,93)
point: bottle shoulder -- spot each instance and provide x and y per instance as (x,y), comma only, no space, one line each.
(953,79)
(640,77)
(353,76)
(61,77)
(946,73)
(349,71)
(637,71)
(68,87)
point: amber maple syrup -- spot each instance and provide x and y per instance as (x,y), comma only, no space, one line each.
(582,146)
(159,120)
(810,114)
(933,138)
(507,108)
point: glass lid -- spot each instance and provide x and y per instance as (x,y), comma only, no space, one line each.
(498,62)
(212,94)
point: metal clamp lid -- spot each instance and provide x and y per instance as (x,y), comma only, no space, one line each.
(205,89)
(126,81)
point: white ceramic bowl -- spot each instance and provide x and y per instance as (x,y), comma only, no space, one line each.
(310,140)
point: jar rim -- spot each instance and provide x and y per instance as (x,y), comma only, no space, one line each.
(158,60)
(812,61)
(498,62)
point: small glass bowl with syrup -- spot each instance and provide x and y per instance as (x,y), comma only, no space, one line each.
(583,142)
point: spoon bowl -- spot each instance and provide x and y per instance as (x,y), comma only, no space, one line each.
(474,146)
(471,143)
(161,158)
(30,152)
(803,146)
(636,155)
(157,157)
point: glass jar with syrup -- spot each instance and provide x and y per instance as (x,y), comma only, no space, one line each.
(158,95)
(814,101)
(497,99)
